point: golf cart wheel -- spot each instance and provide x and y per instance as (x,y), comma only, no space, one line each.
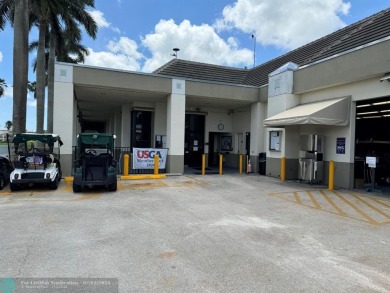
(13,187)
(54,184)
(2,183)
(76,187)
(113,186)
(59,172)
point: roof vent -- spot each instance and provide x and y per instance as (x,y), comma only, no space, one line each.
(290,66)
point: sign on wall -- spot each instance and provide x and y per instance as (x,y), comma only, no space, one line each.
(274,140)
(371,162)
(143,158)
(340,145)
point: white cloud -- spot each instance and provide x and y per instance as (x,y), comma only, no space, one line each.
(1,56)
(99,18)
(121,54)
(285,24)
(8,91)
(101,21)
(197,43)
(31,101)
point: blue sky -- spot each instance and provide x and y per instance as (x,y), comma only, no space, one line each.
(140,35)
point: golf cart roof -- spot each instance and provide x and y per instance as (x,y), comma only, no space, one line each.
(47,138)
(96,139)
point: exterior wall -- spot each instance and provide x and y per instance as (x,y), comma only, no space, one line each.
(278,104)
(273,168)
(64,109)
(175,135)
(344,163)
(222,91)
(289,148)
(212,120)
(160,120)
(368,62)
(344,174)
(273,157)
(100,77)
(362,90)
(281,83)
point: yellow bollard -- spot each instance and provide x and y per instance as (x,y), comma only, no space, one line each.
(283,169)
(156,161)
(126,165)
(331,175)
(203,164)
(220,164)
(240,166)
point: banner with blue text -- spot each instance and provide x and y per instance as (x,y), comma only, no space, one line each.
(143,158)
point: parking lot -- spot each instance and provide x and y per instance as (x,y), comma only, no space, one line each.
(193,233)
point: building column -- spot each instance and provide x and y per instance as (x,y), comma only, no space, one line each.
(65,110)
(176,127)
(117,128)
(258,144)
(125,126)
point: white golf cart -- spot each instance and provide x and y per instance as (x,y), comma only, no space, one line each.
(36,159)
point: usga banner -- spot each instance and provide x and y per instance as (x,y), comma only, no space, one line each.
(144,158)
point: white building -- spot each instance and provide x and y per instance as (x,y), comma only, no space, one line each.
(335,87)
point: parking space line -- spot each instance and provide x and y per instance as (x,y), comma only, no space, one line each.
(163,183)
(297,198)
(363,214)
(316,204)
(371,206)
(200,181)
(380,202)
(331,202)
(359,207)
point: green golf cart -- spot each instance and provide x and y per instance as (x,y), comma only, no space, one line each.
(94,164)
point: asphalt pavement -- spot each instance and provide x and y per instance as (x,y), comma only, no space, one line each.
(192,233)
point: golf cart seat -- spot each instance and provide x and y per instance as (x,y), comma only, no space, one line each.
(95,167)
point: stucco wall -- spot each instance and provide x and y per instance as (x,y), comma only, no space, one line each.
(369,62)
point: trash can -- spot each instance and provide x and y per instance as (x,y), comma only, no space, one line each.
(262,162)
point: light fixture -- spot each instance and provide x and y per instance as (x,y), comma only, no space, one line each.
(370,117)
(381,103)
(386,76)
(364,105)
(366,113)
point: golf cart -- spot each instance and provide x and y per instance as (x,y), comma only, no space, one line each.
(36,160)
(5,171)
(94,164)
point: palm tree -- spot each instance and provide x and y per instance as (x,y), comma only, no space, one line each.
(8,125)
(32,87)
(51,13)
(17,12)
(2,86)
